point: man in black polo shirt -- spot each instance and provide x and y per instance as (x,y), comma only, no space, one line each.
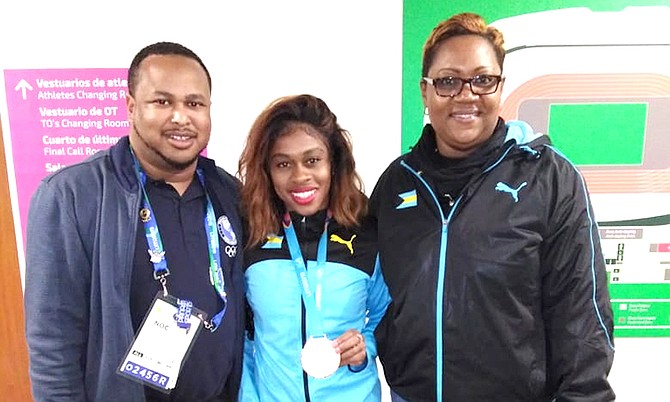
(134,287)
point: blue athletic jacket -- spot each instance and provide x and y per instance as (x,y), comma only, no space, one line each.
(353,295)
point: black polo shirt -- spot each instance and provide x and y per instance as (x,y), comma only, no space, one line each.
(180,221)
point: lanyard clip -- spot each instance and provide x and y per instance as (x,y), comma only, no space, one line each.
(162,278)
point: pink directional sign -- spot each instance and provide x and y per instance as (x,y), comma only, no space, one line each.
(58,117)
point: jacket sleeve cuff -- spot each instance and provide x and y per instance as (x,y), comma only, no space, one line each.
(359,368)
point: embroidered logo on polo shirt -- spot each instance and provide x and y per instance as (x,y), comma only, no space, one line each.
(228,235)
(226,230)
(408,200)
(348,243)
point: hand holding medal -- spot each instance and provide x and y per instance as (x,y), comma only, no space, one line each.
(351,347)
(321,357)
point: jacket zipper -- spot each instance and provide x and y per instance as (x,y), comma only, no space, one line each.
(303,314)
(303,325)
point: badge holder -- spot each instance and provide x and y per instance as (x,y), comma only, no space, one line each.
(162,343)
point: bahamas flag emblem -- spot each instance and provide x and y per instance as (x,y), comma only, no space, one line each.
(273,242)
(408,200)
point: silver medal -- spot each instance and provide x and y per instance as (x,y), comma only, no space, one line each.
(319,359)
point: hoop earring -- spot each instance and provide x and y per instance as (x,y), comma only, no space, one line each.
(425,111)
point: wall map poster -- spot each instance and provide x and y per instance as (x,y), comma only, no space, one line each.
(602,95)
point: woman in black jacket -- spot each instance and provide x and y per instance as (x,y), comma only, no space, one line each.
(489,247)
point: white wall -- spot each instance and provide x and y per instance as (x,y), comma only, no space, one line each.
(348,52)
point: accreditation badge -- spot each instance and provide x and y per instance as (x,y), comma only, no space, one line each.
(319,358)
(162,342)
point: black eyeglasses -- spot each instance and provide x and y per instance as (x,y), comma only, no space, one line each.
(483,84)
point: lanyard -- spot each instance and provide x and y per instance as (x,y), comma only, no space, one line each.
(157,252)
(312,301)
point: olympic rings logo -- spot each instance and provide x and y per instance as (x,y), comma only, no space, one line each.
(231,251)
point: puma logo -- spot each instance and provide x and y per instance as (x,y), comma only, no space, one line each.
(338,239)
(514,192)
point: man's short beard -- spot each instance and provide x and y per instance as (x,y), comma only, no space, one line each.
(170,162)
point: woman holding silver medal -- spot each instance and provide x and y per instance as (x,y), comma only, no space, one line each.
(313,282)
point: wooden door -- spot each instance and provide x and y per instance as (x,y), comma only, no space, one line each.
(14,381)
